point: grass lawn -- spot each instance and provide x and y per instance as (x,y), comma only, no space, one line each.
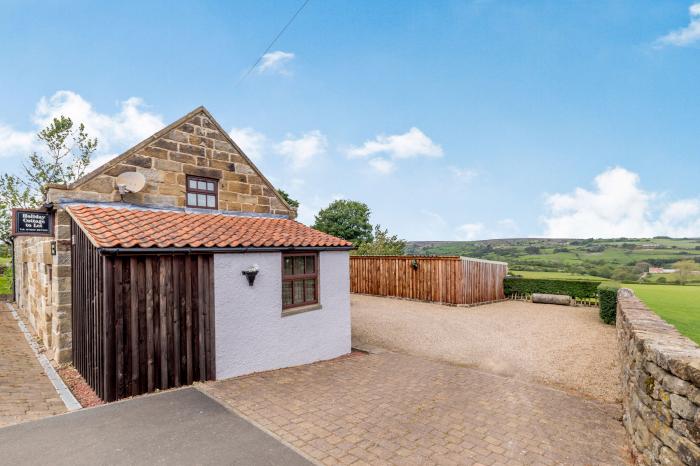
(6,278)
(556,275)
(677,305)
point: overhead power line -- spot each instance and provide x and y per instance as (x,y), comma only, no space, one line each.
(279,34)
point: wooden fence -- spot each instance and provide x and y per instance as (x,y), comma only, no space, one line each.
(141,322)
(448,279)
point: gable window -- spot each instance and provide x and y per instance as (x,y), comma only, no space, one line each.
(299,279)
(202,192)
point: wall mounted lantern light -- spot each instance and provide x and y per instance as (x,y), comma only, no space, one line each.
(250,273)
(414,264)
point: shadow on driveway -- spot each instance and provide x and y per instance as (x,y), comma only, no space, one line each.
(177,427)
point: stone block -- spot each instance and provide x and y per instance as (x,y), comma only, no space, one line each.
(172,190)
(668,457)
(226,166)
(224,146)
(100,184)
(235,187)
(145,160)
(186,128)
(165,144)
(190,149)
(167,165)
(177,136)
(183,158)
(683,407)
(159,200)
(689,429)
(201,171)
(200,141)
(222,156)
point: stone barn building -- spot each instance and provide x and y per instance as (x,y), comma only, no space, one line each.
(111,285)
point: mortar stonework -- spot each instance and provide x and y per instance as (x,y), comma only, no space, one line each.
(660,386)
(194,145)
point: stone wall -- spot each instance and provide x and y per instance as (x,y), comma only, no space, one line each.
(661,386)
(43,282)
(195,146)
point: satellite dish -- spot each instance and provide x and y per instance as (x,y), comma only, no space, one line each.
(130,182)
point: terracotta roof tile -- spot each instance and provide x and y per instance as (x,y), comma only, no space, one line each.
(112,227)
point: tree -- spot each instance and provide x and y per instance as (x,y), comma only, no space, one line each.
(67,155)
(382,244)
(642,267)
(346,219)
(533,250)
(293,203)
(684,269)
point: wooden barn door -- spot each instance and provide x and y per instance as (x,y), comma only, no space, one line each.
(159,322)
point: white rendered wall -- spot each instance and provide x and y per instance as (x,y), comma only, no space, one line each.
(252,335)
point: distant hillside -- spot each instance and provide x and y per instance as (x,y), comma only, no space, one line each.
(624,257)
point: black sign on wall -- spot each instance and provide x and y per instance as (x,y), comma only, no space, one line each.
(27,222)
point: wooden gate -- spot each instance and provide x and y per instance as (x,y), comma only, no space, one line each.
(141,322)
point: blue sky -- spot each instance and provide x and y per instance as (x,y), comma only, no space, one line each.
(451,120)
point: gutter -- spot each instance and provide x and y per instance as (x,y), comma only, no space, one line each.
(206,250)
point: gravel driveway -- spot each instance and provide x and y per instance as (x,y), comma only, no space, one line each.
(566,347)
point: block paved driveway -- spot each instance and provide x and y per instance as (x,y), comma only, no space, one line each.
(393,408)
(25,391)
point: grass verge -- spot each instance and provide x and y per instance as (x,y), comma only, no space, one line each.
(677,305)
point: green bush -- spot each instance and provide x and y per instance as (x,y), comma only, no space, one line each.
(607,299)
(573,288)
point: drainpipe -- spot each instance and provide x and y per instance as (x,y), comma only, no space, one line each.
(14,272)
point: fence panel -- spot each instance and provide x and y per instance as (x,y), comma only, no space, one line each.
(446,279)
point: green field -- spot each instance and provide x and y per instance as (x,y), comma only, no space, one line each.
(555,275)
(677,305)
(622,259)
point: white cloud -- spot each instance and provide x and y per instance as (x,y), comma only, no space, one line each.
(275,62)
(463,175)
(382,166)
(252,142)
(687,35)
(131,124)
(115,132)
(302,151)
(413,143)
(619,207)
(13,142)
(470,231)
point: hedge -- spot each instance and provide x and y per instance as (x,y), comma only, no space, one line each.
(573,288)
(607,300)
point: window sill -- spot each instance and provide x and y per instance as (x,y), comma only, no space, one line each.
(301,309)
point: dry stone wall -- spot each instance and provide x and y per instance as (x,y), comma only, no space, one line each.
(661,386)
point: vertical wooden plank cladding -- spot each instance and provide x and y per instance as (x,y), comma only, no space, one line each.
(141,322)
(447,279)
(108,330)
